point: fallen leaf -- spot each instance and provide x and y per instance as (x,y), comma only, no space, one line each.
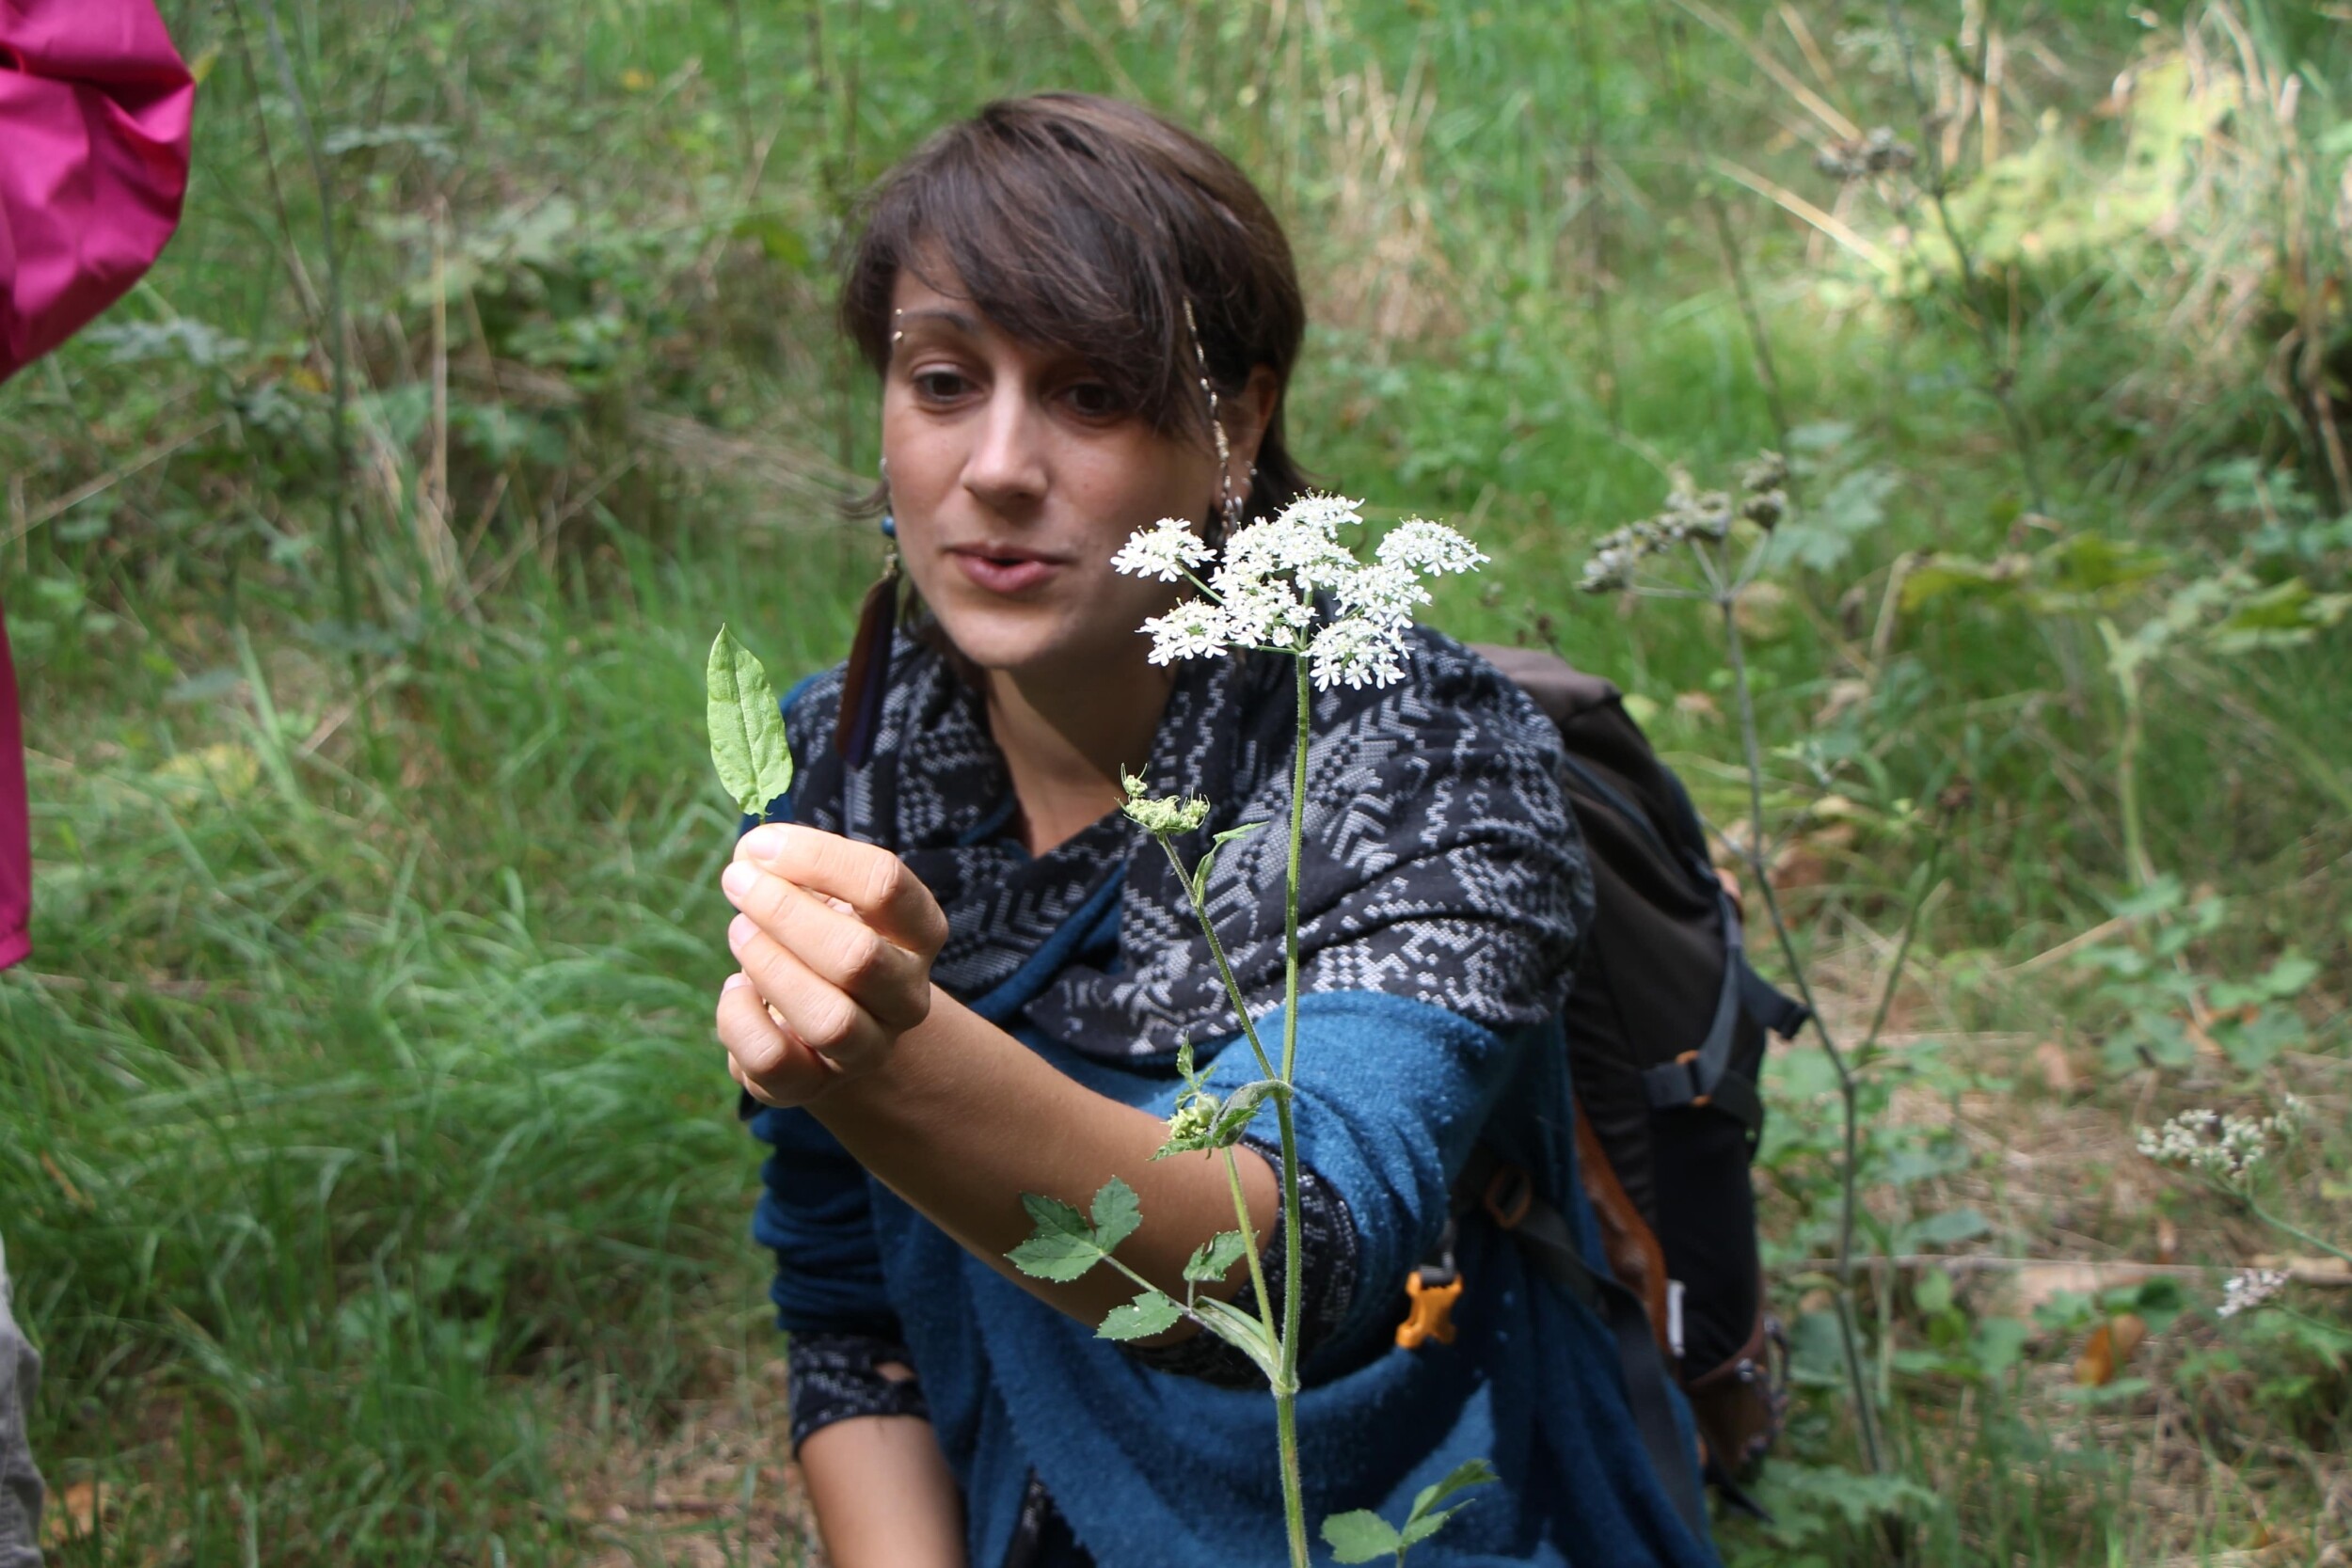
(73,1512)
(1698,706)
(2168,1238)
(2109,1349)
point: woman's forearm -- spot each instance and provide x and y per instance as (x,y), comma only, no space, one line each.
(883,1495)
(965,1118)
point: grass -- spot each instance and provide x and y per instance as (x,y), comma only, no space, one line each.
(370,1178)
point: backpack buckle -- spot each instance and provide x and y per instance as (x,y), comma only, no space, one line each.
(1687,1061)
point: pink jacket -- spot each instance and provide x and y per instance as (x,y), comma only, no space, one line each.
(95,115)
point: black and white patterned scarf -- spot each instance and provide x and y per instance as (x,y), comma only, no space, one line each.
(1440,862)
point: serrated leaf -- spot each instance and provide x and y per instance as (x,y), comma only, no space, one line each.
(1471,1472)
(1063,1247)
(1213,1258)
(1422,1527)
(1117,1212)
(747,744)
(1359,1536)
(1151,1313)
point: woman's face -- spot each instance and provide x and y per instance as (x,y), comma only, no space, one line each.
(1014,477)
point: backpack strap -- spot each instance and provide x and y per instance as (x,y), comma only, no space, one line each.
(1549,1244)
(1704,1076)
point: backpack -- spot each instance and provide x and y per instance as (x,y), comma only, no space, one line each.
(1666,1029)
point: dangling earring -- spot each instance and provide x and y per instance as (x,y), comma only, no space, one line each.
(1227,513)
(866,684)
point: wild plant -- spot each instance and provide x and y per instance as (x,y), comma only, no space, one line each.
(1711,546)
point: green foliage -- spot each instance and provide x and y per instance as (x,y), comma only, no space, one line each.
(747,736)
(1361,1535)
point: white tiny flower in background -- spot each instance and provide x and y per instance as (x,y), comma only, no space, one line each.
(1191,630)
(1418,545)
(2244,1291)
(1166,551)
(1325,513)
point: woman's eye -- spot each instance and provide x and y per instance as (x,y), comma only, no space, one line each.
(939,385)
(1092,400)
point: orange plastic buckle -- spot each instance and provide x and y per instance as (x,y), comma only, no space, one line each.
(1432,1315)
(1685,1060)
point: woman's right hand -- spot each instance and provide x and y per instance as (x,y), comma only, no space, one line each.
(836,939)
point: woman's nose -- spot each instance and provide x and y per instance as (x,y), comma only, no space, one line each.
(1007,468)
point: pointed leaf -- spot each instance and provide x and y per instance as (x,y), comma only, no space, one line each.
(747,736)
(1151,1313)
(1471,1472)
(1213,1258)
(1240,1108)
(1359,1536)
(1240,1330)
(1063,1247)
(1116,1213)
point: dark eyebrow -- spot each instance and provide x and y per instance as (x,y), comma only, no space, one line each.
(956,319)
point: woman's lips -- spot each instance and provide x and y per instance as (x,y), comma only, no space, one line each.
(1005,574)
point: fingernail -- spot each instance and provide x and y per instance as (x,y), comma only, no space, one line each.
(764,843)
(736,981)
(738,930)
(737,878)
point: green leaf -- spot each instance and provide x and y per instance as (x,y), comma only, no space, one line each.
(1151,1313)
(1945,1230)
(1241,1108)
(1931,1292)
(1471,1472)
(1996,1345)
(1422,1527)
(1117,1212)
(747,736)
(1214,1257)
(1359,1536)
(1940,576)
(1063,1247)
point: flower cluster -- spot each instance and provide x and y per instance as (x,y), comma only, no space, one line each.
(1161,815)
(1689,514)
(2243,1292)
(1880,153)
(1263,593)
(2222,1146)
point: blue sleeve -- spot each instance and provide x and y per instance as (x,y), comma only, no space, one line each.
(1393,1095)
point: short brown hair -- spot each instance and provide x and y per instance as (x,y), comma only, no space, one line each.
(1086,224)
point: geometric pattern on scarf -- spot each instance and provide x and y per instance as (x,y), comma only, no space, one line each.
(1440,864)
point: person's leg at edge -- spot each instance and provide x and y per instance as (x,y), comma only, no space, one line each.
(20,1481)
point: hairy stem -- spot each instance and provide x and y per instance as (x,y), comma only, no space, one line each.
(1217,951)
(1286,1388)
(2288,1228)
(1848,1089)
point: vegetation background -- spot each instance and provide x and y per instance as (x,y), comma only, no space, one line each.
(367,1169)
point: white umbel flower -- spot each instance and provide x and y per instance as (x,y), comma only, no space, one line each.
(1167,551)
(2243,1292)
(1193,629)
(1418,545)
(1357,652)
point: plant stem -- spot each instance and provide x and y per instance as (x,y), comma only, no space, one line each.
(1224,969)
(1249,1240)
(1286,1386)
(1848,1091)
(2289,1227)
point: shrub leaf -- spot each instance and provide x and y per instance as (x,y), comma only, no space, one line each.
(747,738)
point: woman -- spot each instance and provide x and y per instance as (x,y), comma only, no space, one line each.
(964,975)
